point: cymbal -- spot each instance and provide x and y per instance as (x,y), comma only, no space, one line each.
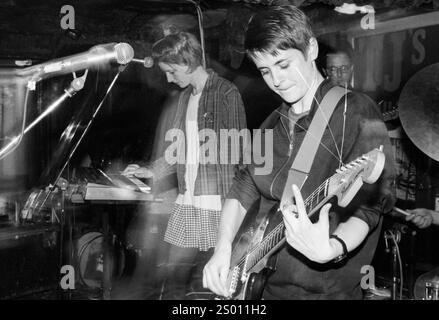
(419,110)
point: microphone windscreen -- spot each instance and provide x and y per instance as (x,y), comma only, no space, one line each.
(148,62)
(124,53)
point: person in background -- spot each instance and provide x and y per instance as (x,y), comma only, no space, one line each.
(340,64)
(207,101)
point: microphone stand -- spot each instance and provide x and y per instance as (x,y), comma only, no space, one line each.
(121,68)
(76,85)
(106,270)
(388,235)
(98,108)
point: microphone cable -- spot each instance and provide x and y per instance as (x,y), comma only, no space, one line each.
(200,26)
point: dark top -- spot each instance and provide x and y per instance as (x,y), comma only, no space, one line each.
(297,277)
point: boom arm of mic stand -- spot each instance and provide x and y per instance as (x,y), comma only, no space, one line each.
(76,85)
(98,108)
(121,68)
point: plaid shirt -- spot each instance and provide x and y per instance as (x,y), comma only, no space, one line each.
(220,107)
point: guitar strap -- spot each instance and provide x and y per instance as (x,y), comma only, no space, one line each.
(301,166)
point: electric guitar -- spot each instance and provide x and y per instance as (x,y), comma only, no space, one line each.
(251,250)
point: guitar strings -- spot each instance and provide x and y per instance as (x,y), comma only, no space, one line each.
(277,231)
(259,251)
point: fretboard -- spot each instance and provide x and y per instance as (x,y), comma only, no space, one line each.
(277,236)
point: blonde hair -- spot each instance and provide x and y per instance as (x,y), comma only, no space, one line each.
(181,48)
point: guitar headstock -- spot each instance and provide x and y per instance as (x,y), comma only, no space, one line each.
(347,180)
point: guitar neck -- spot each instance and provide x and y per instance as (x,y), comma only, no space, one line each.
(276,237)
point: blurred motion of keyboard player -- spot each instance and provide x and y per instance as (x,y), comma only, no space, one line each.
(207,102)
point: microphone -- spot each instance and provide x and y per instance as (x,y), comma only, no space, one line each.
(148,62)
(121,53)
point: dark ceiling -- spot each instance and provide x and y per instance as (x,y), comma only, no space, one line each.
(172,5)
(32,27)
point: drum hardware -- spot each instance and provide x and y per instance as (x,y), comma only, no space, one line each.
(427,286)
(90,259)
(392,238)
(394,235)
(431,291)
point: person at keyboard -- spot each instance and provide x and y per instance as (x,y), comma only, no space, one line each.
(207,102)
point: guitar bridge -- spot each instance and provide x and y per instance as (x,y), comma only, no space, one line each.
(244,275)
(233,281)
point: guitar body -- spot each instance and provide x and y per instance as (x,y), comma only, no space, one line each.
(256,284)
(251,233)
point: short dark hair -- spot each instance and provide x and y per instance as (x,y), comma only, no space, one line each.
(341,46)
(180,48)
(278,28)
